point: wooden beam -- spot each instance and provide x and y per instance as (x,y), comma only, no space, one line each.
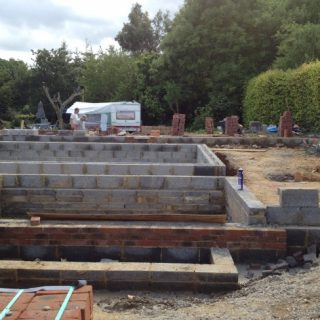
(180,217)
(238,150)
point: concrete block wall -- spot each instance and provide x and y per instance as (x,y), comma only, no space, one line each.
(112,183)
(111,193)
(298,207)
(205,155)
(125,152)
(242,206)
(109,168)
(268,141)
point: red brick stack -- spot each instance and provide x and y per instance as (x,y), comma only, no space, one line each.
(46,304)
(178,124)
(209,125)
(231,125)
(285,125)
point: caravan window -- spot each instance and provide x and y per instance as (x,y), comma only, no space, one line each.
(125,115)
(94,118)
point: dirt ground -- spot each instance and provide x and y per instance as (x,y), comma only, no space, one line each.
(291,295)
(263,168)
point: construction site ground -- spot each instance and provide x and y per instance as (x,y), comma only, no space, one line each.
(292,294)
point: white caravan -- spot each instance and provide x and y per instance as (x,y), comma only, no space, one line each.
(124,115)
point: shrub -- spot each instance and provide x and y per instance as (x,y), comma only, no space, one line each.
(275,91)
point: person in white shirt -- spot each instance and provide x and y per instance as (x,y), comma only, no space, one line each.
(75,119)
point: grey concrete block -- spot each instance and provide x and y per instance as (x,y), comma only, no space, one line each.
(178,182)
(152,182)
(95,168)
(84,182)
(183,170)
(196,197)
(203,170)
(58,181)
(8,167)
(51,168)
(123,196)
(9,181)
(97,196)
(131,182)
(293,216)
(72,168)
(147,197)
(170,197)
(204,183)
(105,156)
(75,154)
(69,195)
(42,155)
(109,182)
(138,169)
(6,155)
(299,198)
(29,168)
(118,169)
(161,170)
(31,181)
(221,256)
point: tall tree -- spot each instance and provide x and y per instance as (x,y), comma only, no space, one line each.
(137,35)
(161,24)
(214,47)
(109,76)
(298,44)
(13,86)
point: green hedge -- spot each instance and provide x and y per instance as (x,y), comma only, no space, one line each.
(275,91)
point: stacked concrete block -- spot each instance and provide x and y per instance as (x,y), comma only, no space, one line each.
(231,125)
(297,207)
(242,206)
(19,132)
(178,124)
(106,178)
(285,125)
(107,193)
(209,125)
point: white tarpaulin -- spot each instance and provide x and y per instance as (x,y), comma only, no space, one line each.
(103,107)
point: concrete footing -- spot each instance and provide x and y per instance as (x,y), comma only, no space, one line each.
(221,274)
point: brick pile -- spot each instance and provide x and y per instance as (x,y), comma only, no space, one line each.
(209,125)
(285,125)
(46,304)
(231,125)
(178,124)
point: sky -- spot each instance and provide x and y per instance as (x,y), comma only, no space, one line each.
(27,25)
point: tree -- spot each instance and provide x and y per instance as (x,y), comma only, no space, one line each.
(59,70)
(13,86)
(109,76)
(57,104)
(137,35)
(215,47)
(298,44)
(142,34)
(172,96)
(161,24)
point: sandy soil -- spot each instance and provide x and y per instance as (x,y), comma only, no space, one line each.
(292,295)
(261,167)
